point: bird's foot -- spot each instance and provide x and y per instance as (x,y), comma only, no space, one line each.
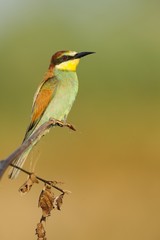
(62,124)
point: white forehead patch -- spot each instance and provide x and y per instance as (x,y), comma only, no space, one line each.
(71,53)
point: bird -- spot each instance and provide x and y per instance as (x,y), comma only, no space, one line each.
(54,96)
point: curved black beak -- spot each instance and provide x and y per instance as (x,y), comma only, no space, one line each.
(82,54)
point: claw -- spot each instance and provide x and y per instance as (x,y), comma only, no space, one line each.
(71,127)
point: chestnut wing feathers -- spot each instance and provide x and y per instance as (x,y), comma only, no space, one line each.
(42,98)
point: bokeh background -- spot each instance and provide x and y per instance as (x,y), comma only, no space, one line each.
(112,163)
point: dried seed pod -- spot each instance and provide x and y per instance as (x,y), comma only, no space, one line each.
(58,201)
(40,232)
(46,199)
(26,187)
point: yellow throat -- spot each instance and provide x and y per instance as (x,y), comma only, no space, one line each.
(70,65)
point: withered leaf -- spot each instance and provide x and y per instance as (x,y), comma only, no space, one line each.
(58,201)
(40,231)
(46,199)
(26,187)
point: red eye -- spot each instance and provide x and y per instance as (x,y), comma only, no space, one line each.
(65,58)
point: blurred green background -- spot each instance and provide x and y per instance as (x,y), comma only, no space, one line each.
(112,163)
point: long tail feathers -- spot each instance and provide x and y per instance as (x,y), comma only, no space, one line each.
(19,162)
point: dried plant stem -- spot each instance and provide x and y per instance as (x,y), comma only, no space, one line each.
(47,201)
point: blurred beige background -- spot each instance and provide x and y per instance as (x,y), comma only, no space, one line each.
(112,163)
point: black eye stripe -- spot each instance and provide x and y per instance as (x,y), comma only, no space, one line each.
(64,58)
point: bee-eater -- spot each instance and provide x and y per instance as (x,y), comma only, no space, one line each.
(54,97)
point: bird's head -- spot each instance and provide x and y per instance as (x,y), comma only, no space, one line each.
(67,60)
